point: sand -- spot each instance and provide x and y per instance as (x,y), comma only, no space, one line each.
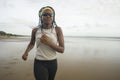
(71,66)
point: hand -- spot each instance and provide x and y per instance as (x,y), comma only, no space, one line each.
(45,40)
(24,56)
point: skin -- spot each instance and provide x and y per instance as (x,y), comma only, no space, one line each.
(47,24)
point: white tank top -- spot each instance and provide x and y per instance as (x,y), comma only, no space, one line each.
(44,52)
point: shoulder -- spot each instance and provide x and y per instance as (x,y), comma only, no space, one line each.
(34,30)
(58,29)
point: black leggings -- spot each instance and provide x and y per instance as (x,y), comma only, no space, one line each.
(45,70)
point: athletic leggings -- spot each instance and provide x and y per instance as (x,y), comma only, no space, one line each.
(45,70)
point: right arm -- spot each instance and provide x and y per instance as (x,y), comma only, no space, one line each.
(30,45)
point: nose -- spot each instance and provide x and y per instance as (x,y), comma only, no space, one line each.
(48,16)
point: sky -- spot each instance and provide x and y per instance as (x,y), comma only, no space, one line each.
(75,17)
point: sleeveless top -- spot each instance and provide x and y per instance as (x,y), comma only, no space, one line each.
(44,52)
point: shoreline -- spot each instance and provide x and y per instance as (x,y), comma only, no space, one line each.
(14,38)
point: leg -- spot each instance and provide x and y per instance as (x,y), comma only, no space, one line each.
(52,69)
(40,70)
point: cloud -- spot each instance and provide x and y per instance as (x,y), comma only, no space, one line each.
(75,17)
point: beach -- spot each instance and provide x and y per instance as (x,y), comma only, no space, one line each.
(83,59)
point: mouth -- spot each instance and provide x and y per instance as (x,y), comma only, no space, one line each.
(48,20)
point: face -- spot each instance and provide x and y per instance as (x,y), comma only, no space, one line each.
(47,17)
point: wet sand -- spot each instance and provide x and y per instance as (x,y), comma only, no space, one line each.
(77,64)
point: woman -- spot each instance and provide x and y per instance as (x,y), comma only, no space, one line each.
(49,40)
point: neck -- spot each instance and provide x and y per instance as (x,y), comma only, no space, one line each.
(47,26)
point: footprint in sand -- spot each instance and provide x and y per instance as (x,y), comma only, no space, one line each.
(6,67)
(15,59)
(6,75)
(12,62)
(28,74)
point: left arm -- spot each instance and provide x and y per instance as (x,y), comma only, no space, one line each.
(59,48)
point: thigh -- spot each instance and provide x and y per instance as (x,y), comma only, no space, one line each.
(40,70)
(52,69)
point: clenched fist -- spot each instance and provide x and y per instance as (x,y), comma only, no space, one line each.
(45,40)
(24,56)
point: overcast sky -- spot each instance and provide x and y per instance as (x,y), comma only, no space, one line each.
(75,17)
